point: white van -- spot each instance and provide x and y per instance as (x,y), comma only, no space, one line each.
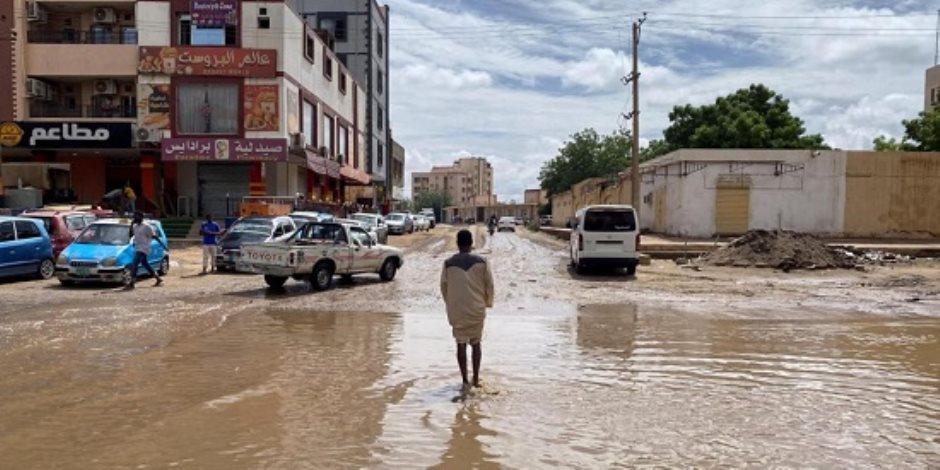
(605,237)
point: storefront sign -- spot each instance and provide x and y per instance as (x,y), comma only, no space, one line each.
(218,61)
(153,106)
(261,109)
(213,13)
(65,135)
(239,150)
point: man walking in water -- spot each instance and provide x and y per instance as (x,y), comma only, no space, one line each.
(467,287)
(142,234)
(210,243)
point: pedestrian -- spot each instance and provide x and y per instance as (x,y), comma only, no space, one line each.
(130,198)
(142,234)
(210,232)
(467,288)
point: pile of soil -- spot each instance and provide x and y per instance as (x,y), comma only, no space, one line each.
(778,249)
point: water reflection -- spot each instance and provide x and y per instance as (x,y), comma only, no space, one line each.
(465,449)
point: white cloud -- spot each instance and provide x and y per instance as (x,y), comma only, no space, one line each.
(441,77)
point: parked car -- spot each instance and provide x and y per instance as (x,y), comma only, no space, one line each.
(506,223)
(605,236)
(399,223)
(302,217)
(374,222)
(519,220)
(429,213)
(319,251)
(103,253)
(422,223)
(25,248)
(356,223)
(256,229)
(545,220)
(62,227)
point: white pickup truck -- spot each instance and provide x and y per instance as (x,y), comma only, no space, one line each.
(318,251)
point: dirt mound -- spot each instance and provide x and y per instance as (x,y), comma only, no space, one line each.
(777,249)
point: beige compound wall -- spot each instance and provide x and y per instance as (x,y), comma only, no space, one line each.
(892,194)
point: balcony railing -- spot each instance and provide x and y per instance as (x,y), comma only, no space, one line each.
(82,37)
(51,110)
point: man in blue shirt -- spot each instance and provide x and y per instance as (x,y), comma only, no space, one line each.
(210,232)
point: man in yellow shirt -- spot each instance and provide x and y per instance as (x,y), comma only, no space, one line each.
(131,197)
(467,288)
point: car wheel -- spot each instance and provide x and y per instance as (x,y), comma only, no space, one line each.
(126,277)
(164,266)
(631,270)
(389,269)
(46,269)
(275,282)
(322,277)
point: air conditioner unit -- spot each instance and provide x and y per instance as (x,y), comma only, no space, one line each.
(297,141)
(35,88)
(104,15)
(35,13)
(106,87)
(145,134)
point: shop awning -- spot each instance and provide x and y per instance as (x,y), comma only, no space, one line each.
(322,166)
(354,176)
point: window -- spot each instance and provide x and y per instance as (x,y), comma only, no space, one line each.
(380,82)
(343,144)
(336,25)
(6,232)
(381,118)
(609,221)
(328,135)
(75,222)
(342,82)
(380,43)
(324,232)
(381,157)
(360,236)
(309,44)
(207,108)
(327,65)
(190,35)
(185,30)
(264,22)
(308,117)
(26,230)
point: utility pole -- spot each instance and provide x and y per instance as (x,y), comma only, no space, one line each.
(635,137)
(936,45)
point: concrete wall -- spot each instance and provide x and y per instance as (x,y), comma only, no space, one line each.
(892,194)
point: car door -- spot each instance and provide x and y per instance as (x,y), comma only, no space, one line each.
(7,248)
(156,249)
(342,252)
(363,251)
(30,246)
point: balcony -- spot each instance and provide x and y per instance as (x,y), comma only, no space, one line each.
(127,36)
(38,109)
(81,53)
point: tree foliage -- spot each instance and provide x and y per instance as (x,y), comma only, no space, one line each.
(921,134)
(586,155)
(436,200)
(753,117)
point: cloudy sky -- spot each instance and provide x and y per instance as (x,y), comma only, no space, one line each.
(512,79)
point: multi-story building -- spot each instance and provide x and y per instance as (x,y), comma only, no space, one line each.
(535,196)
(932,88)
(481,172)
(197,105)
(469,181)
(360,31)
(397,172)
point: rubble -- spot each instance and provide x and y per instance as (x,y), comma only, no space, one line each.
(788,250)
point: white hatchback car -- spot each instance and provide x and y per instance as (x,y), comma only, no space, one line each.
(605,237)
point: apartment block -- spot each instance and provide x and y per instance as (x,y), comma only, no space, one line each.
(469,181)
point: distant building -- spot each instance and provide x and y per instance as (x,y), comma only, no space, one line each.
(397,172)
(535,196)
(469,181)
(932,88)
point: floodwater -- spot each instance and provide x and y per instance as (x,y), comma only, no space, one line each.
(588,386)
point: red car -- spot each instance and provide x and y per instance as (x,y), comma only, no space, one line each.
(63,227)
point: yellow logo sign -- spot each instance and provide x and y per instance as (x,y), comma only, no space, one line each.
(10,134)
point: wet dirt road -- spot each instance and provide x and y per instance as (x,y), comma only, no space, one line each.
(673,369)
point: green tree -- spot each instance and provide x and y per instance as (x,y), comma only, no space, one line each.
(753,117)
(436,200)
(586,155)
(921,134)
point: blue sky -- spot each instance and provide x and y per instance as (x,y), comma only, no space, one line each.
(511,80)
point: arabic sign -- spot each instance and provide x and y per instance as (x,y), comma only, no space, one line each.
(213,13)
(227,62)
(66,135)
(153,106)
(239,150)
(261,110)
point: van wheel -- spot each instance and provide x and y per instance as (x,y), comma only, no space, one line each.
(46,269)
(275,282)
(579,268)
(322,277)
(389,269)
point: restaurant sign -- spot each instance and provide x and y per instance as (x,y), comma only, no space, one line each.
(213,13)
(208,61)
(221,150)
(66,135)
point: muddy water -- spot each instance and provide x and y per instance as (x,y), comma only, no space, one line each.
(585,387)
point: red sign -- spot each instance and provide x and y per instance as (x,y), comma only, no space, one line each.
(261,108)
(217,150)
(218,61)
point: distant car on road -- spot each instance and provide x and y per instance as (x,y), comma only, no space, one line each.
(605,236)
(422,223)
(103,253)
(545,220)
(62,227)
(506,223)
(429,213)
(250,230)
(399,223)
(25,248)
(375,223)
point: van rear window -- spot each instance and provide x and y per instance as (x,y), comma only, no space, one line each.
(609,221)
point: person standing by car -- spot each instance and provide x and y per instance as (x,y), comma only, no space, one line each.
(467,288)
(210,232)
(142,235)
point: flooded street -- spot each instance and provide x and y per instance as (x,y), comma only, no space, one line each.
(217,372)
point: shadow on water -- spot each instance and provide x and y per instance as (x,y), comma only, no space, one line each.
(465,449)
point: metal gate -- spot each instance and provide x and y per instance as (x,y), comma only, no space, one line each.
(732,205)
(221,187)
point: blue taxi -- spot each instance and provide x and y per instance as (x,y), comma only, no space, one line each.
(103,252)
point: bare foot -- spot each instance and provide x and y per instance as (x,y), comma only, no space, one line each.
(465,388)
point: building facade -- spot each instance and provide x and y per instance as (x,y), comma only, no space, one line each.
(469,181)
(196,105)
(360,32)
(932,88)
(397,172)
